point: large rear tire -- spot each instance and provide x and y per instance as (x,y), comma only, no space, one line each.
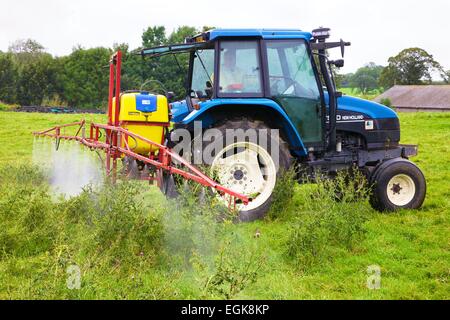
(397,184)
(245,166)
(253,168)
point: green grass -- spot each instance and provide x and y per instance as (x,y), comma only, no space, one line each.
(149,248)
(357,93)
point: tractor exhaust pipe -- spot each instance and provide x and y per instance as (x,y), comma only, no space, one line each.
(332,102)
(320,35)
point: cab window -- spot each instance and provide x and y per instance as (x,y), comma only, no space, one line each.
(290,70)
(202,70)
(293,84)
(240,70)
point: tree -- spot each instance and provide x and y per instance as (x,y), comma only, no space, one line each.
(366,78)
(26,50)
(447,76)
(26,46)
(8,78)
(131,67)
(345,80)
(207,28)
(170,71)
(179,35)
(177,70)
(85,77)
(154,36)
(35,72)
(410,67)
(36,80)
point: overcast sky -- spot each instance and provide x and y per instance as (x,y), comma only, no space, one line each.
(377,29)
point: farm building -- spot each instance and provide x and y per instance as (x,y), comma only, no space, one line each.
(418,98)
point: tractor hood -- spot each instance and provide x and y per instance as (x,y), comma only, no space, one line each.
(372,109)
(179,110)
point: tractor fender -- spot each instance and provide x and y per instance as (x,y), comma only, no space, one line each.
(207,113)
(379,168)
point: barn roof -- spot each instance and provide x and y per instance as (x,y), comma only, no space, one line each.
(432,96)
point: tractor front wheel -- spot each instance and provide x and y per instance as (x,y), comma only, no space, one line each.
(397,184)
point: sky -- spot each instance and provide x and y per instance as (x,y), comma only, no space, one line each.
(377,29)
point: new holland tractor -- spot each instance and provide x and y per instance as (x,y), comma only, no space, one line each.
(282,79)
(276,89)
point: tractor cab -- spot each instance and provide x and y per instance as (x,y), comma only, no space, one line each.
(256,65)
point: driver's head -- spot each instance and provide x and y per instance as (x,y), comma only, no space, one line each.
(229,58)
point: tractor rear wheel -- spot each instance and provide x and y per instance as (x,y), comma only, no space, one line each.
(397,184)
(250,167)
(247,167)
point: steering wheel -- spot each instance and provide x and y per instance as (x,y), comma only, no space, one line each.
(299,90)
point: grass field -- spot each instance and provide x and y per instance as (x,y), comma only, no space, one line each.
(357,93)
(144,247)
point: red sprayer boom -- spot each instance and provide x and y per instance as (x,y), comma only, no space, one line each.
(113,139)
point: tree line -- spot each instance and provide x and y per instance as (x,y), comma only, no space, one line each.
(412,66)
(31,76)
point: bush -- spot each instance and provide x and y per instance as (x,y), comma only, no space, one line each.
(283,194)
(327,224)
(7,107)
(26,223)
(236,266)
(387,102)
(192,222)
(123,229)
(110,231)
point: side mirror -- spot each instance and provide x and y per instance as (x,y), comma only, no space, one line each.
(338,63)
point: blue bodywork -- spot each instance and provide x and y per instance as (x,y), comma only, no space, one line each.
(369,108)
(181,114)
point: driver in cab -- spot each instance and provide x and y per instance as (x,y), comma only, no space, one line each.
(231,76)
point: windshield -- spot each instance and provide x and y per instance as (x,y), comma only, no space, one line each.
(202,69)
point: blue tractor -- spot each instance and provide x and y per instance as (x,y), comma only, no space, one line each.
(278,84)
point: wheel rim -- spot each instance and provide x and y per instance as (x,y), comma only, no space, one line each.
(246,168)
(401,190)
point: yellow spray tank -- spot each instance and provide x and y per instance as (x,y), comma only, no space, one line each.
(144,114)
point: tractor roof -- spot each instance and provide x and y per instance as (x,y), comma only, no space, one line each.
(204,39)
(261,33)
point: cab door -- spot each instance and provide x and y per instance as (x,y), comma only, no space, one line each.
(293,84)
